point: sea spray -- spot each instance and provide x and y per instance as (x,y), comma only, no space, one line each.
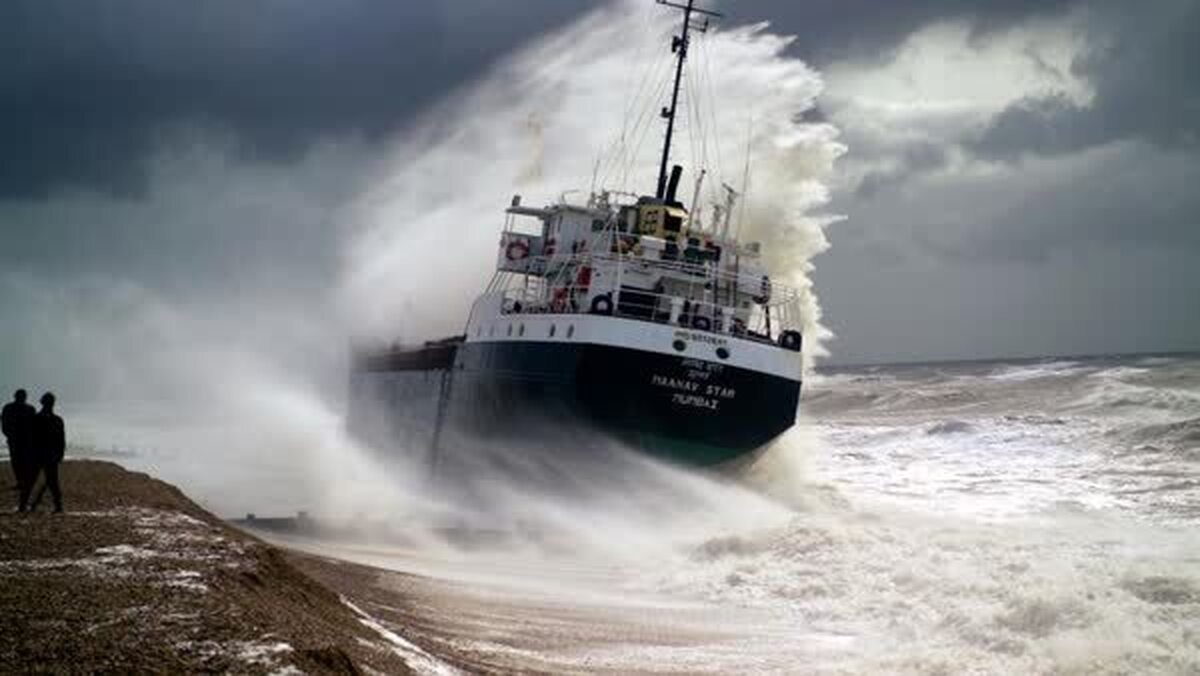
(254,426)
(573,111)
(570,112)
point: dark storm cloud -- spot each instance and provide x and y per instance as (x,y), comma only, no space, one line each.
(1142,66)
(869,31)
(918,156)
(1139,59)
(832,30)
(1078,233)
(87,88)
(1085,213)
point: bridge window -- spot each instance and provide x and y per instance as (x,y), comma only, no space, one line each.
(673,223)
(510,330)
(571,331)
(521,330)
(553,328)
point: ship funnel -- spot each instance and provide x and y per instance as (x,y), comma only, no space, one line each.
(673,185)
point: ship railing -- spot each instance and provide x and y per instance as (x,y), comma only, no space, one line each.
(694,274)
(716,302)
(697,272)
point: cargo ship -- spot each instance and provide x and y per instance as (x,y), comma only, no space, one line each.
(634,318)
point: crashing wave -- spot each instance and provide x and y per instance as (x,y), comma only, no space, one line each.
(1031,372)
(1179,434)
(950,427)
(1116,396)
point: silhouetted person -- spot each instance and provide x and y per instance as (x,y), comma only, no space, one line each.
(49,445)
(17,423)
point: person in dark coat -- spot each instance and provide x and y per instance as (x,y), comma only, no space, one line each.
(49,446)
(17,422)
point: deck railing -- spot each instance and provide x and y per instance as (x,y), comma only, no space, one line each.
(703,298)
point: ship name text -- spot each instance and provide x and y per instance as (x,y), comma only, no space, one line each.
(687,392)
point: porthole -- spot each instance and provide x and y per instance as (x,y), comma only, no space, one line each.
(679,345)
(723,352)
(571,331)
(510,330)
(521,331)
(552,330)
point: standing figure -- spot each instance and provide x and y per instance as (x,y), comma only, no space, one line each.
(17,423)
(49,443)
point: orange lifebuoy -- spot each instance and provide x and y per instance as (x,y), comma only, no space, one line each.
(516,250)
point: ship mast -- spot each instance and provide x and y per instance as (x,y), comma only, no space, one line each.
(679,45)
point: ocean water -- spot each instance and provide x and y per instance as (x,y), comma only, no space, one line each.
(991,517)
(1115,435)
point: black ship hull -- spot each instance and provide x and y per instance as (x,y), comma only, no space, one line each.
(679,409)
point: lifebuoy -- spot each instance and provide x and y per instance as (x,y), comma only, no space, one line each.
(602,305)
(790,340)
(764,292)
(516,250)
(701,323)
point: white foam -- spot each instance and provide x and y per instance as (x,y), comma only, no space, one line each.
(413,655)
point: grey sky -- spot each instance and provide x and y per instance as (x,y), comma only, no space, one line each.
(1045,212)
(87,88)
(1020,178)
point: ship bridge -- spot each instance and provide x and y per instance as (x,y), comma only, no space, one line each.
(703,283)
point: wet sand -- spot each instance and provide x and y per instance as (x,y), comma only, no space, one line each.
(501,614)
(494,629)
(136,578)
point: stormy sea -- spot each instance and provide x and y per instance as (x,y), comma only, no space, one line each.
(1034,516)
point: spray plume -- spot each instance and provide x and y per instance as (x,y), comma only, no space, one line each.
(577,110)
(574,111)
(421,246)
